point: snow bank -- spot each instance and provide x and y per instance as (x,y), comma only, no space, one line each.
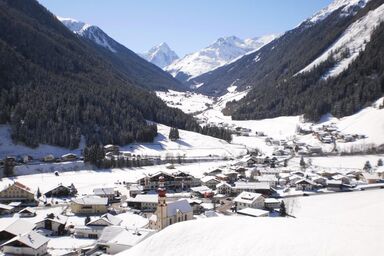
(341,224)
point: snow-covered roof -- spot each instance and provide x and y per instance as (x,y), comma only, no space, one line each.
(19,227)
(91,200)
(153,198)
(181,205)
(248,197)
(252,185)
(305,181)
(253,212)
(112,220)
(271,201)
(208,178)
(201,189)
(28,210)
(123,236)
(31,239)
(104,191)
(6,207)
(267,178)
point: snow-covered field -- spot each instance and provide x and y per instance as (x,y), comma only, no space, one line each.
(190,145)
(339,224)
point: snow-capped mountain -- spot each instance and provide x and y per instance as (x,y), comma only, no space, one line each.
(91,32)
(348,7)
(161,55)
(146,74)
(221,52)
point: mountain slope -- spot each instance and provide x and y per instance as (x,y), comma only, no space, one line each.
(272,72)
(141,72)
(160,55)
(217,54)
(55,87)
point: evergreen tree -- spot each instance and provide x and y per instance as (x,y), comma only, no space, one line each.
(302,162)
(283,210)
(380,162)
(367,166)
(87,220)
(38,193)
(8,167)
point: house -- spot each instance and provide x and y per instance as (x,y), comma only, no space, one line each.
(210,181)
(175,181)
(270,179)
(249,200)
(108,193)
(69,157)
(255,187)
(18,192)
(222,177)
(19,226)
(196,205)
(252,212)
(334,185)
(117,239)
(27,212)
(344,179)
(202,191)
(135,189)
(111,148)
(312,150)
(89,205)
(146,203)
(6,209)
(305,184)
(49,158)
(224,188)
(232,176)
(56,224)
(94,228)
(272,203)
(319,180)
(30,243)
(169,213)
(370,178)
(61,191)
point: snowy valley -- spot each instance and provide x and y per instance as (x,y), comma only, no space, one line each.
(213,153)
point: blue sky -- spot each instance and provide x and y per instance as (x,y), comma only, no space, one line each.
(186,26)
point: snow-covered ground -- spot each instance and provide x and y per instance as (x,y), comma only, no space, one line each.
(9,148)
(190,145)
(340,224)
(368,122)
(188,102)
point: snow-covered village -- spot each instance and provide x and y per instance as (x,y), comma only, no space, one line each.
(194,156)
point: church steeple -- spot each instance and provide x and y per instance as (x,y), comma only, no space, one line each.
(162,204)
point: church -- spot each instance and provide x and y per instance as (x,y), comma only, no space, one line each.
(169,213)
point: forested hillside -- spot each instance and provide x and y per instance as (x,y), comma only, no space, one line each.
(55,88)
(277,90)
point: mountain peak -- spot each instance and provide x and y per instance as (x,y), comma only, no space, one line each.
(161,55)
(347,6)
(220,52)
(75,26)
